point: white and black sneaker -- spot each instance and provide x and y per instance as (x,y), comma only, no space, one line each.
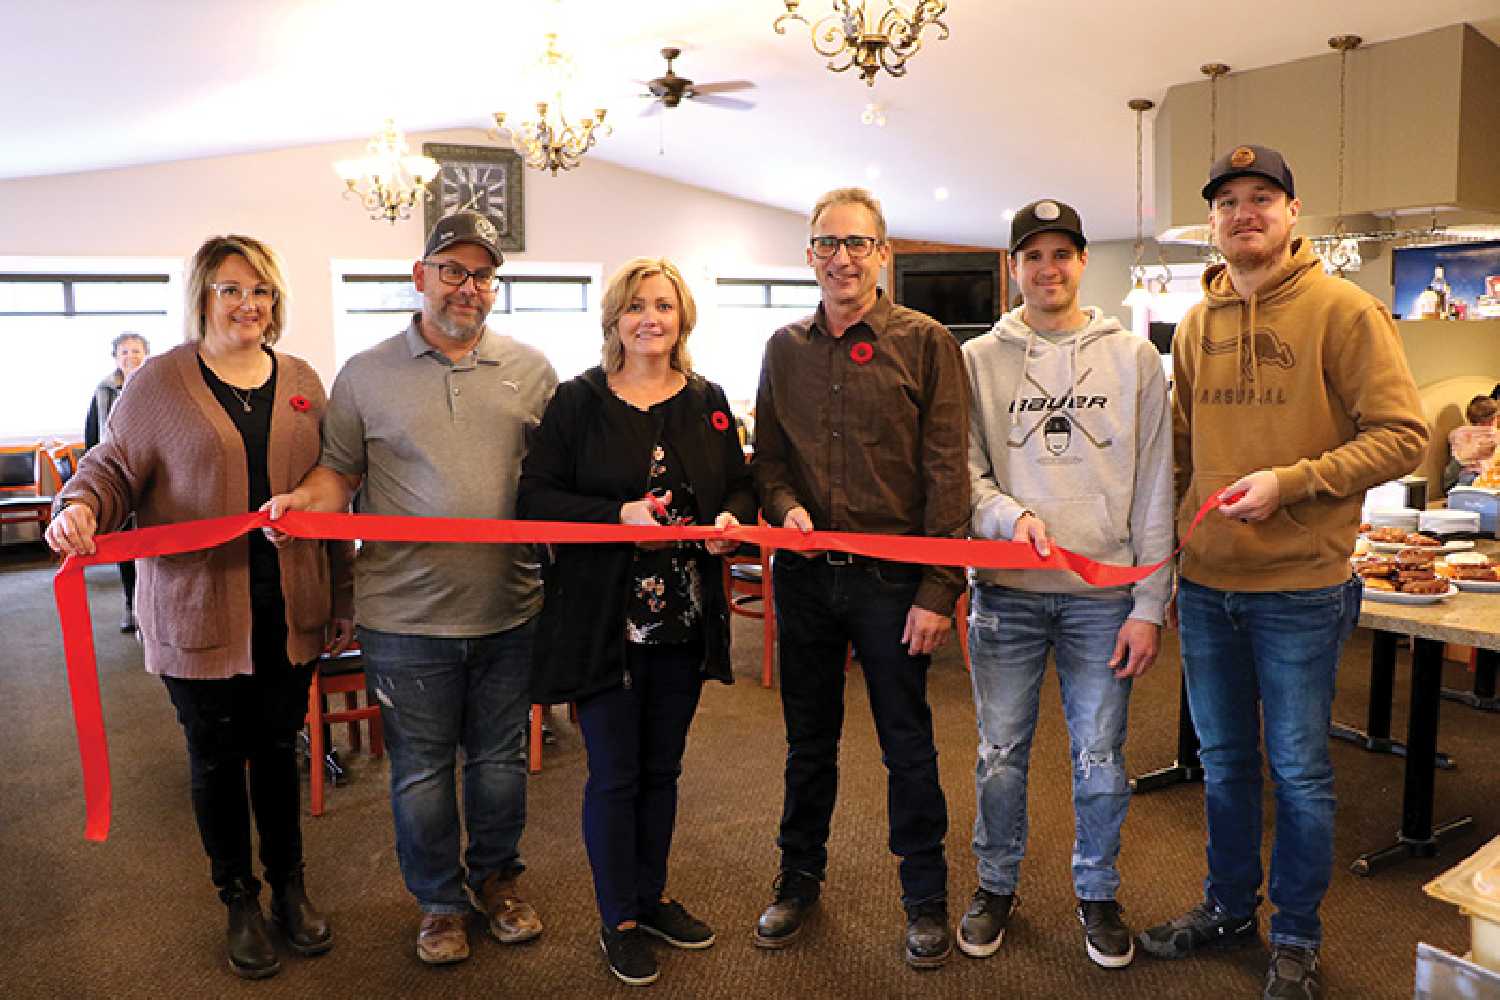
(982,928)
(629,955)
(671,922)
(1206,925)
(1105,935)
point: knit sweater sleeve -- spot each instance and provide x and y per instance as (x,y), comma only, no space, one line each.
(1366,369)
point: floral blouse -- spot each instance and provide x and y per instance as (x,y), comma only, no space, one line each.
(666,595)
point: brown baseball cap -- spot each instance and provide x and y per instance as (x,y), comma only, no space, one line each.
(1244,161)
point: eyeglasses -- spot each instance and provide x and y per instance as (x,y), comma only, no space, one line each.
(455,274)
(827,247)
(234,294)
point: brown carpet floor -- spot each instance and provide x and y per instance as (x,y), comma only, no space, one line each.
(137,917)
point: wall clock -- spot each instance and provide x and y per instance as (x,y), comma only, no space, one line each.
(482,179)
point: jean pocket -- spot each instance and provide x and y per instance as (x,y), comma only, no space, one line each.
(896,575)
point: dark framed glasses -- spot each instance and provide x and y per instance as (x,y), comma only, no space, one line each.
(453,273)
(825,247)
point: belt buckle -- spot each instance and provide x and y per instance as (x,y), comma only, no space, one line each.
(839,558)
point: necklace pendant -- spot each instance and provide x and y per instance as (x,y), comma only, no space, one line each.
(246,405)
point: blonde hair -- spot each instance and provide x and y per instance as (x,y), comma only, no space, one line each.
(214,251)
(850,196)
(618,294)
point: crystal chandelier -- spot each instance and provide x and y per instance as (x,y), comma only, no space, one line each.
(857,34)
(550,141)
(388,180)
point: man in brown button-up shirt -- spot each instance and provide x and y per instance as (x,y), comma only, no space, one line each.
(861,425)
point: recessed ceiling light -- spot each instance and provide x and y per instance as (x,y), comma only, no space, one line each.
(941,194)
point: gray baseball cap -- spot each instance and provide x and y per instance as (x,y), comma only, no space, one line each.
(466,227)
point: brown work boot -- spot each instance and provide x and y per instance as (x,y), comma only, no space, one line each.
(443,939)
(512,919)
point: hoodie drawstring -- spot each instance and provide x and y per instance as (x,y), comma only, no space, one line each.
(1015,403)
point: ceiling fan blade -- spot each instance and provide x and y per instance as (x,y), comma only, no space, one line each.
(651,109)
(730,103)
(723,87)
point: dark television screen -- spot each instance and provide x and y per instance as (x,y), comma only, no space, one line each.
(951,297)
(1161,335)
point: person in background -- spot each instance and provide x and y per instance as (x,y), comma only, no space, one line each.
(130,351)
(210,429)
(862,425)
(1473,444)
(630,633)
(1292,397)
(1070,441)
(432,422)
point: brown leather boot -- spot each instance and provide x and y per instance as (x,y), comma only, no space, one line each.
(305,928)
(251,953)
(512,919)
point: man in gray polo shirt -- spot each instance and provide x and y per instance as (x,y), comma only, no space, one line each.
(432,423)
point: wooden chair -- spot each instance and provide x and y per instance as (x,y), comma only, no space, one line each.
(538,714)
(747,581)
(344,674)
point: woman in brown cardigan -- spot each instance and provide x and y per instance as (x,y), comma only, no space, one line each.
(212,428)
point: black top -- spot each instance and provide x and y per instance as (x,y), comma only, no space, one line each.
(666,602)
(250,412)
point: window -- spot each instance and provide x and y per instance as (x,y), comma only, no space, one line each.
(732,338)
(58,317)
(553,308)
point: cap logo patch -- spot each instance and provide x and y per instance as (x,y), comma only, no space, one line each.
(1242,157)
(1046,210)
(486,229)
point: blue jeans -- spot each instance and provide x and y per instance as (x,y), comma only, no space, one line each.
(1010,632)
(635,738)
(438,696)
(820,609)
(1272,656)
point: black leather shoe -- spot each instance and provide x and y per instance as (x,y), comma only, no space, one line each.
(1105,936)
(929,938)
(251,953)
(306,930)
(795,895)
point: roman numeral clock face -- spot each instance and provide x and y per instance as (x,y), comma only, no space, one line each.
(476,187)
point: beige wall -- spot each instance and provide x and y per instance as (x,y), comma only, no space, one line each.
(597,214)
(1437,350)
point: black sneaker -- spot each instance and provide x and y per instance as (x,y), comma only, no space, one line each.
(983,926)
(629,956)
(1104,934)
(795,894)
(929,938)
(1206,925)
(1293,974)
(676,926)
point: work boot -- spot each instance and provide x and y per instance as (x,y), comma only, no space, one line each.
(251,953)
(795,895)
(306,930)
(929,939)
(511,919)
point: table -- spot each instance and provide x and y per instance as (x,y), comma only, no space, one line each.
(1468,619)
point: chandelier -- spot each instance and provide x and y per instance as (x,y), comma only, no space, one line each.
(550,141)
(388,180)
(1138,295)
(1339,250)
(856,34)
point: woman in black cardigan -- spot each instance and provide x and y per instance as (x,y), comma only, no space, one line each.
(629,632)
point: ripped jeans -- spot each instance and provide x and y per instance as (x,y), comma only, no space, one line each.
(1010,632)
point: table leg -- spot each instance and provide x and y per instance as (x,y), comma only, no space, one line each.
(1482,696)
(1186,768)
(1376,736)
(1418,837)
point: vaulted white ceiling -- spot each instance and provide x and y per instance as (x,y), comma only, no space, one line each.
(1026,99)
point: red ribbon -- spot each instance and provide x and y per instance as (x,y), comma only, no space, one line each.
(170,539)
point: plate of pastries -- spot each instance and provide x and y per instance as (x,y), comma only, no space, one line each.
(1470,571)
(1408,577)
(1393,540)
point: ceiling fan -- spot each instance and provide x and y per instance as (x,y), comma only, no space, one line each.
(669,90)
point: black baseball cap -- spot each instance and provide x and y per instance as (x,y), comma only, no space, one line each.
(466,227)
(1245,161)
(1046,216)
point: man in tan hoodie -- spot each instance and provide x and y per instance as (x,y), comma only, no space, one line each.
(1292,394)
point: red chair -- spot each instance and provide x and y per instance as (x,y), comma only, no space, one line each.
(343,674)
(747,581)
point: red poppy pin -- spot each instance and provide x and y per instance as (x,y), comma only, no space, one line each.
(300,404)
(720,420)
(861,353)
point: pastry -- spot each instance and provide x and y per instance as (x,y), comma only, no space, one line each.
(1415,557)
(1425,587)
(1378,583)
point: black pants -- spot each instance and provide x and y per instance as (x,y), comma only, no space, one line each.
(245,728)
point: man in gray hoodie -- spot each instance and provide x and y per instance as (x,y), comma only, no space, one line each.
(1070,441)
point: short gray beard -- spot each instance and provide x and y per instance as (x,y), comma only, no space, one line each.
(455,331)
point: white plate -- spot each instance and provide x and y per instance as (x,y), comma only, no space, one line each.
(1396,597)
(1478,586)
(1454,546)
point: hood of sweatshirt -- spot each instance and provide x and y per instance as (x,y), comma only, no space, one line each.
(1284,284)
